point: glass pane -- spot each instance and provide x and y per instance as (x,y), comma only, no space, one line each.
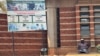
(84,14)
(84,20)
(96,7)
(97,29)
(85,32)
(97,32)
(85,29)
(97,26)
(97,14)
(97,19)
(85,8)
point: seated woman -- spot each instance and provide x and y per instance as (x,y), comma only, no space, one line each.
(83,46)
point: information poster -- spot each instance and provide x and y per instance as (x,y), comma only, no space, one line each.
(3,7)
(26,15)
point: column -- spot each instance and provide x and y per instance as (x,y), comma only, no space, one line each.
(92,27)
(52,26)
(78,23)
(51,19)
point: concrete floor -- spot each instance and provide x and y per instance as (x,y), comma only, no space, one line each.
(72,52)
(88,54)
(82,54)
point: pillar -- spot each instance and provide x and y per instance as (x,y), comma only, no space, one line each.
(52,27)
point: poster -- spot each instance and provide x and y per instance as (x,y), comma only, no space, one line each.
(26,15)
(3,7)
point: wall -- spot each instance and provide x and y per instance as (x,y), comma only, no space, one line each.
(25,43)
(67,26)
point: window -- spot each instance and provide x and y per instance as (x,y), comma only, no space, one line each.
(97,19)
(96,8)
(85,30)
(84,20)
(97,29)
(84,14)
(97,14)
(84,8)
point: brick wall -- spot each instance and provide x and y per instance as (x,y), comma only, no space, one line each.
(84,1)
(96,1)
(92,38)
(67,26)
(25,43)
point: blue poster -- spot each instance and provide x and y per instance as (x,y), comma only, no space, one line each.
(26,15)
